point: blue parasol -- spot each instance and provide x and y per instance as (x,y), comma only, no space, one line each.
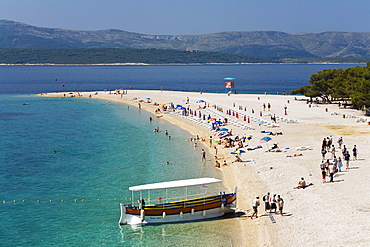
(265,139)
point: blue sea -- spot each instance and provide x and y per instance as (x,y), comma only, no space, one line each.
(67,163)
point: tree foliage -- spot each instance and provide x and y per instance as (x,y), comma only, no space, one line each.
(119,55)
(352,83)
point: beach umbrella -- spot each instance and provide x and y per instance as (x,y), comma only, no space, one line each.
(265,139)
(199,101)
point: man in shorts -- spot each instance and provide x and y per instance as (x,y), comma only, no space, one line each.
(273,203)
(280,202)
(255,205)
(347,156)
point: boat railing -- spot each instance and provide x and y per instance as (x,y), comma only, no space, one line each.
(187,203)
(181,198)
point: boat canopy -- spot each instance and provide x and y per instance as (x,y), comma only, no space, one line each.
(175,184)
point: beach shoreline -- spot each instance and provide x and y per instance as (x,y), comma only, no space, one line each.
(277,172)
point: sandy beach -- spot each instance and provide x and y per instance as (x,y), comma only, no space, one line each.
(324,214)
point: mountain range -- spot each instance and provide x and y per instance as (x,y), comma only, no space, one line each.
(272,44)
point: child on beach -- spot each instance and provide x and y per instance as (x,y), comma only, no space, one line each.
(340,164)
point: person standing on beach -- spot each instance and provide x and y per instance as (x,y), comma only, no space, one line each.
(280,202)
(255,205)
(268,106)
(354,151)
(266,199)
(340,142)
(324,144)
(327,164)
(323,172)
(332,151)
(340,164)
(203,155)
(323,152)
(331,172)
(216,152)
(273,203)
(347,156)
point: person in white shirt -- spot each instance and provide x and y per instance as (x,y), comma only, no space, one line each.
(255,205)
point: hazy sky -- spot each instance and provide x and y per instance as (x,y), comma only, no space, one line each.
(192,16)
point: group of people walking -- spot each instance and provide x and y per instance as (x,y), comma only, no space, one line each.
(334,164)
(272,203)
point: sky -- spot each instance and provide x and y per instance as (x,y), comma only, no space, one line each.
(186,17)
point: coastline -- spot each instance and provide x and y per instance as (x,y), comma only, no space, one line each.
(149,64)
(278,173)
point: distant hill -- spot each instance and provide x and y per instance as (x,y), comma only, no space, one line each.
(269,44)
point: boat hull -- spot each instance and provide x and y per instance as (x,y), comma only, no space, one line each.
(132,216)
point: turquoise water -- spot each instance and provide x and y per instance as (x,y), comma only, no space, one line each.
(101,150)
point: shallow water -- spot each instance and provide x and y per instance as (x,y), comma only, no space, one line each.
(101,150)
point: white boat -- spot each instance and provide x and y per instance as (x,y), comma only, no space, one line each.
(182,208)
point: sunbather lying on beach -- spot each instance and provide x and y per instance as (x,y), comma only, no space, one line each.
(250,149)
(295,155)
(302,184)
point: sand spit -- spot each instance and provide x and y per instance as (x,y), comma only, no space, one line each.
(325,214)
